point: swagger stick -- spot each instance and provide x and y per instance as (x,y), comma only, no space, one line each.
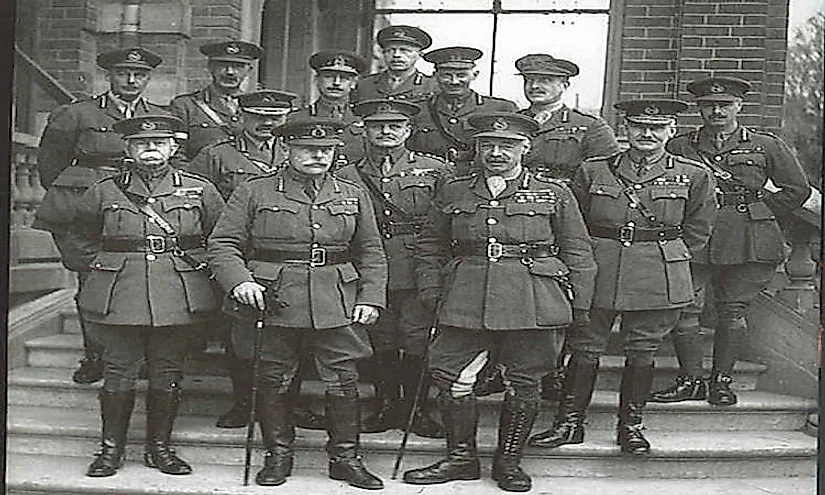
(250,425)
(418,392)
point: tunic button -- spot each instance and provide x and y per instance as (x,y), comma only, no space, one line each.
(600,191)
(102,129)
(151,200)
(492,240)
(385,179)
(151,257)
(637,186)
(98,265)
(494,202)
(204,124)
(672,195)
(492,221)
(315,207)
(453,120)
(531,213)
(240,170)
(316,225)
(387,212)
(234,118)
(717,158)
(387,195)
(633,205)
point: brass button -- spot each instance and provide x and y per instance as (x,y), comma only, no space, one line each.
(204,124)
(492,221)
(385,179)
(453,120)
(316,225)
(531,213)
(633,205)
(314,207)
(387,195)
(240,170)
(151,257)
(492,240)
(387,212)
(494,202)
(151,200)
(717,158)
(637,186)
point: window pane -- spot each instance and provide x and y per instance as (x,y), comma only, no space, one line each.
(580,38)
(554,4)
(435,4)
(474,30)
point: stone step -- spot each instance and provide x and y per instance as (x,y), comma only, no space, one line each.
(209,396)
(36,474)
(64,351)
(675,454)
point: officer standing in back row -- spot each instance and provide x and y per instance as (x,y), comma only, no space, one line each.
(80,146)
(400,50)
(441,128)
(211,114)
(648,212)
(747,242)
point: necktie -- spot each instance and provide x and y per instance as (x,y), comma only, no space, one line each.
(543,116)
(719,140)
(232,103)
(310,189)
(496,184)
(386,165)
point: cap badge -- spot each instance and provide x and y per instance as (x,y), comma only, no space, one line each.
(500,125)
(318,132)
(384,107)
(134,56)
(267,99)
(399,33)
(148,125)
(717,88)
(232,49)
(339,61)
(651,110)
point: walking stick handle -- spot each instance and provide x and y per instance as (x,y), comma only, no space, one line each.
(253,399)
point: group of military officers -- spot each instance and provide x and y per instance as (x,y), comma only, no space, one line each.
(407,225)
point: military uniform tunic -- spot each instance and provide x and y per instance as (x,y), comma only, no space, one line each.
(416,88)
(440,128)
(566,139)
(645,275)
(353,135)
(205,127)
(130,285)
(272,212)
(78,148)
(746,230)
(401,199)
(228,163)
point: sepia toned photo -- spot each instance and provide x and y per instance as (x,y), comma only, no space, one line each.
(415,246)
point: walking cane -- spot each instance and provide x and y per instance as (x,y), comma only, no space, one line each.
(418,390)
(253,400)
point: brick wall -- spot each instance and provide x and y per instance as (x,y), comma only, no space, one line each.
(668,43)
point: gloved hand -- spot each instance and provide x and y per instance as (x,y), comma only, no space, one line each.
(430,297)
(581,317)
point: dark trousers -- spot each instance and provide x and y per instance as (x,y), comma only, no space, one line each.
(459,354)
(405,325)
(164,349)
(334,351)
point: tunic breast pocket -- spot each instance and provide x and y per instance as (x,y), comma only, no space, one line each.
(669,202)
(529,222)
(748,168)
(100,139)
(275,221)
(121,219)
(463,223)
(416,194)
(344,217)
(184,215)
(605,205)
(98,290)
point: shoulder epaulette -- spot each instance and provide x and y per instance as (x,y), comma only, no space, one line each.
(689,161)
(600,158)
(190,175)
(430,155)
(584,114)
(457,178)
(264,175)
(216,144)
(550,180)
(346,180)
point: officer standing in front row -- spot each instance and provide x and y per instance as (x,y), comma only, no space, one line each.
(401,184)
(747,242)
(648,212)
(79,147)
(310,239)
(142,235)
(506,261)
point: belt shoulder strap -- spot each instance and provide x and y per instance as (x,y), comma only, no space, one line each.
(378,197)
(212,114)
(718,172)
(632,196)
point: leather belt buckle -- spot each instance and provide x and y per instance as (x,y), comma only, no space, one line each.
(317,257)
(627,234)
(156,244)
(495,251)
(742,208)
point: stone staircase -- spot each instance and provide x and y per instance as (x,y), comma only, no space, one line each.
(758,446)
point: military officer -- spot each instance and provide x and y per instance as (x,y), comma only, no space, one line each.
(336,75)
(566,136)
(78,147)
(505,259)
(747,242)
(401,184)
(310,239)
(142,235)
(442,128)
(648,212)
(401,48)
(211,114)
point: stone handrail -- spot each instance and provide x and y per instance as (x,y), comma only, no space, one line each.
(26,191)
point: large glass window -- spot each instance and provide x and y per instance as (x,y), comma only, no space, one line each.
(505,30)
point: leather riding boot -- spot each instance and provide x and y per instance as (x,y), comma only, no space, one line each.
(490,382)
(568,427)
(685,388)
(161,411)
(635,388)
(515,422)
(719,392)
(461,421)
(240,373)
(115,412)
(344,423)
(552,385)
(278,432)
(387,393)
(91,366)
(302,416)
(424,424)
